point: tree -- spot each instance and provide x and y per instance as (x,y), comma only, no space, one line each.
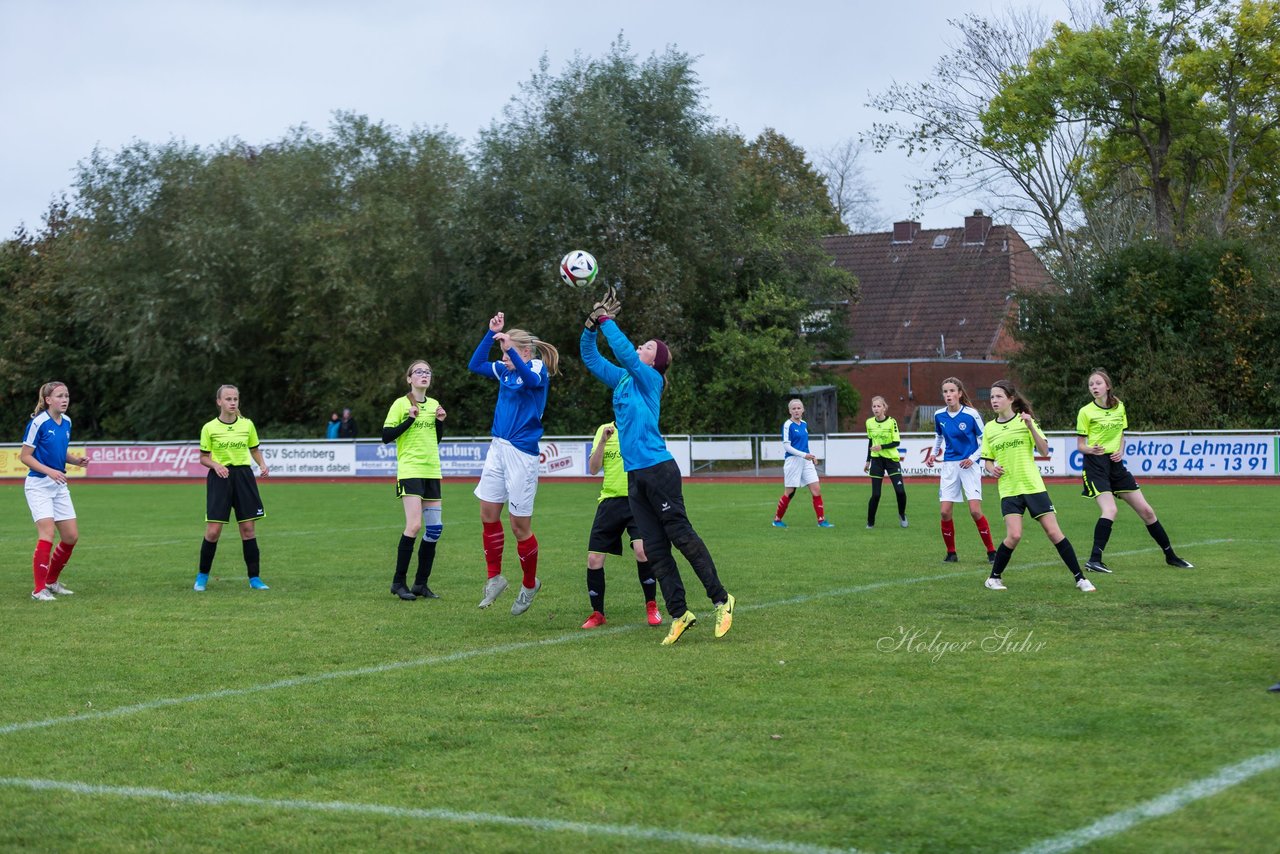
(1030,178)
(851,191)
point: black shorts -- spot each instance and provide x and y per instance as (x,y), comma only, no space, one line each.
(613,516)
(238,489)
(1036,503)
(426,488)
(1102,474)
(881,466)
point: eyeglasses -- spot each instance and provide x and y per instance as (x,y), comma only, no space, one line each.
(420,373)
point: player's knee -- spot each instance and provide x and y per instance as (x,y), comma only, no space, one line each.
(432,533)
(1011,540)
(638,548)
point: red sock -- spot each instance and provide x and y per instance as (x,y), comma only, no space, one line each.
(40,564)
(493,542)
(817,507)
(527,551)
(949,534)
(984,531)
(58,560)
(782,506)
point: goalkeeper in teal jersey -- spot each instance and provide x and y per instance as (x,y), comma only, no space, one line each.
(413,423)
(1100,427)
(883,459)
(1009,444)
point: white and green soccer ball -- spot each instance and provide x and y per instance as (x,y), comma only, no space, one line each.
(578,269)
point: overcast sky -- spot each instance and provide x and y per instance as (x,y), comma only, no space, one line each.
(80,74)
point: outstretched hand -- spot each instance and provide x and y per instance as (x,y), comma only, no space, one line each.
(608,306)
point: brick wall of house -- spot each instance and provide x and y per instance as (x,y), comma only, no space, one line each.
(911,383)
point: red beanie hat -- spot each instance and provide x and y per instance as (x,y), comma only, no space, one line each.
(661,356)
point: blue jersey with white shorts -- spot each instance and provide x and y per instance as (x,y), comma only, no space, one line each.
(637,396)
(50,441)
(522,395)
(795,438)
(960,433)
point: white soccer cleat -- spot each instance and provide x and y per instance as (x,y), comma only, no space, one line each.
(43,595)
(492,590)
(60,589)
(1085,586)
(525,598)
(994,584)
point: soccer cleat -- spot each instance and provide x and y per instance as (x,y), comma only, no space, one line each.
(994,584)
(869,527)
(951,558)
(595,621)
(823,523)
(59,589)
(492,590)
(724,617)
(678,625)
(991,557)
(778,523)
(258,584)
(1275,687)
(902,520)
(422,591)
(1097,566)
(1085,585)
(525,598)
(402,591)
(43,595)
(1172,561)
(652,614)
(202,581)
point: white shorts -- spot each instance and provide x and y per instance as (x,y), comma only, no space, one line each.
(510,477)
(957,484)
(797,472)
(48,499)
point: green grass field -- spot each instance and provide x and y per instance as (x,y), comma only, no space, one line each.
(327,715)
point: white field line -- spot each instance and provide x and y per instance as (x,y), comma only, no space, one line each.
(1166,804)
(429,661)
(628,832)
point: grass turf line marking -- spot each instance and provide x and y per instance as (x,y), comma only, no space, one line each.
(121,711)
(1166,804)
(629,832)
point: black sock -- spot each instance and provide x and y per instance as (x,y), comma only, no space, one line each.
(901,492)
(874,502)
(1003,554)
(1101,533)
(404,552)
(426,559)
(250,548)
(207,551)
(595,588)
(647,582)
(1068,556)
(1156,530)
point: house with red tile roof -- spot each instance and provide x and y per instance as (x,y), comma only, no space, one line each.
(934,303)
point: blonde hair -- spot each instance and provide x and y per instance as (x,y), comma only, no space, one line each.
(45,391)
(522,340)
(1112,400)
(880,398)
(964,395)
(218,395)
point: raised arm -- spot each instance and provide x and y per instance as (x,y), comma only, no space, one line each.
(600,367)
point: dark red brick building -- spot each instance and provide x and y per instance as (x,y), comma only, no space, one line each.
(935,303)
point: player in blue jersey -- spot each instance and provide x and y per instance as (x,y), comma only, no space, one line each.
(653,478)
(510,474)
(797,466)
(959,430)
(44,451)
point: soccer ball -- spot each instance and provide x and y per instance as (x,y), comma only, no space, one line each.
(578,269)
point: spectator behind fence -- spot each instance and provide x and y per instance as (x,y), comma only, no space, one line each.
(335,423)
(347,426)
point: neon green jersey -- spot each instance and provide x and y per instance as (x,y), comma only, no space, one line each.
(615,476)
(1009,444)
(883,433)
(229,444)
(1102,426)
(417,449)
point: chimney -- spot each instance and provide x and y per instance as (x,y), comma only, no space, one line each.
(905,232)
(976,227)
